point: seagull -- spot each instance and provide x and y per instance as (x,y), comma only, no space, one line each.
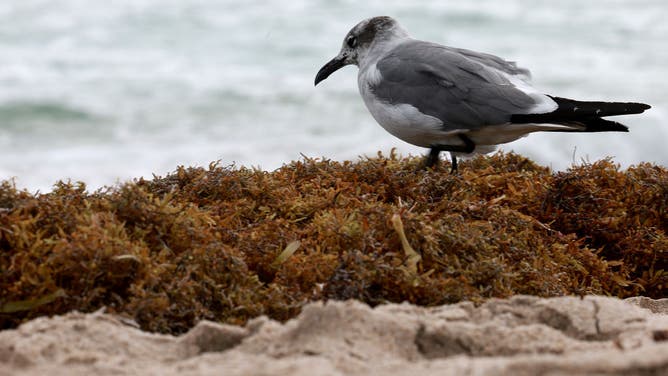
(457,100)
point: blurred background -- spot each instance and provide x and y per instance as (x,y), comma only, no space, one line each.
(106,91)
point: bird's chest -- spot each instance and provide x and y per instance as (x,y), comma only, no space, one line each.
(400,119)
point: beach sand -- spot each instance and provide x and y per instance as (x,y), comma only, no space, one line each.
(523,335)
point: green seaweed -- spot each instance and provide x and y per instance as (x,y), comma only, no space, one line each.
(26,305)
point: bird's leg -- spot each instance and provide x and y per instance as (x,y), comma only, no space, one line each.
(469,146)
(432,158)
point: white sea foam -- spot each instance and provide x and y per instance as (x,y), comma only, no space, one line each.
(109,91)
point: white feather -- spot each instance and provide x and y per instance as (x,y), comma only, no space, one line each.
(544,103)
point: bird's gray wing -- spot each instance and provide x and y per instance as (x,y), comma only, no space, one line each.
(495,62)
(449,85)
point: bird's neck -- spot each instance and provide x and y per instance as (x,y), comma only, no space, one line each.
(383,42)
(380,47)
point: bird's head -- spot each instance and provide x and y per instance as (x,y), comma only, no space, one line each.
(360,41)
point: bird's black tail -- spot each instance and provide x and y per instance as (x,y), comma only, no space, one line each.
(584,116)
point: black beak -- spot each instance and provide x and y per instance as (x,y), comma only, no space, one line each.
(329,68)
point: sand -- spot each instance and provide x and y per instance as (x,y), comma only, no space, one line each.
(519,336)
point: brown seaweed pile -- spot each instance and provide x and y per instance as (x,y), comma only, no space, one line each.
(229,244)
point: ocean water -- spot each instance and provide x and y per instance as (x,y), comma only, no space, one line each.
(107,91)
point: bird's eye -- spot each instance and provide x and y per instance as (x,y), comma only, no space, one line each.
(351,42)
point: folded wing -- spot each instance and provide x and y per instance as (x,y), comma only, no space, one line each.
(464,89)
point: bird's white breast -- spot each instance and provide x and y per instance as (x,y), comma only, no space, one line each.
(401,120)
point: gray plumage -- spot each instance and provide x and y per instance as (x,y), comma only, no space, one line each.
(456,86)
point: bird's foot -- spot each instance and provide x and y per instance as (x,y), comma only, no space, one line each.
(453,169)
(432,159)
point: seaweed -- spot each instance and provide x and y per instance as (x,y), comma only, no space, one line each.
(230,243)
